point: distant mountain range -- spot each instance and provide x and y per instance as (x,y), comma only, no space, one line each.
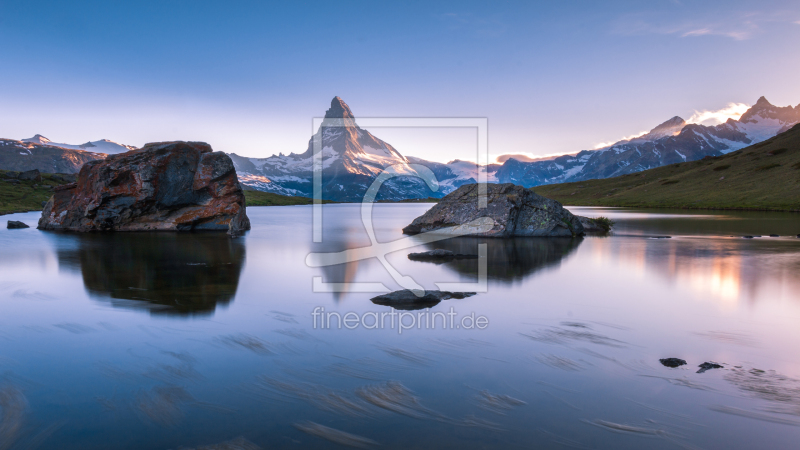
(26,155)
(46,156)
(762,176)
(352,157)
(101,146)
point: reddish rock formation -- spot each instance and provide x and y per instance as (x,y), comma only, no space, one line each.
(162,186)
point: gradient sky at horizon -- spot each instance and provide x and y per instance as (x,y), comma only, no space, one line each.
(248,77)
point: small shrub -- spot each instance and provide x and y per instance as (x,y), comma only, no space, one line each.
(603,222)
(778,151)
(796,166)
(666,182)
(722,167)
(768,166)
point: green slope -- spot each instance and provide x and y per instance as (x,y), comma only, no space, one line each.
(29,195)
(258,198)
(764,176)
(22,196)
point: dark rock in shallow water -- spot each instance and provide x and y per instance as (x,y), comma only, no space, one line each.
(672,362)
(439,255)
(407,300)
(176,186)
(748,237)
(510,211)
(13,224)
(708,366)
(774,235)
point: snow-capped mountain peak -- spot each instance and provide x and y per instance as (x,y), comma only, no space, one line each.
(38,139)
(763,109)
(102,146)
(671,127)
(353,157)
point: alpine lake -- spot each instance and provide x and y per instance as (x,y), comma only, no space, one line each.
(197,340)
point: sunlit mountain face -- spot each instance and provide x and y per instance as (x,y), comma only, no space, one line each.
(352,157)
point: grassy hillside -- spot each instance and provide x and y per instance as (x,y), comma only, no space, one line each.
(258,198)
(764,176)
(29,195)
(22,195)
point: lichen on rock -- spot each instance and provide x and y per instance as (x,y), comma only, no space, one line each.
(176,186)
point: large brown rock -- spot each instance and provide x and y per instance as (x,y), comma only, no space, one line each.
(162,186)
(513,210)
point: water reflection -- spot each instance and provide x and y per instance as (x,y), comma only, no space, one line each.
(707,253)
(168,273)
(509,260)
(729,270)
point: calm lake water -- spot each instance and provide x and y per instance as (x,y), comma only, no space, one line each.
(169,341)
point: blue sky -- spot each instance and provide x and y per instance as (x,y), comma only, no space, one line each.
(248,77)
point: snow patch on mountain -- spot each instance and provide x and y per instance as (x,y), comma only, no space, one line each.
(352,157)
(102,146)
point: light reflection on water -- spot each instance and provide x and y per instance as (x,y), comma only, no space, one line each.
(169,341)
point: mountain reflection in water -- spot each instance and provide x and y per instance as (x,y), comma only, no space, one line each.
(172,273)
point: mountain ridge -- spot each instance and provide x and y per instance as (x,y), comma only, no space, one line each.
(349,151)
(101,146)
(762,176)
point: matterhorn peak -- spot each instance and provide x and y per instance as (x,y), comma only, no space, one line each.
(339,110)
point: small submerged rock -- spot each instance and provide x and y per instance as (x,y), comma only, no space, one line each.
(660,237)
(774,235)
(406,299)
(439,255)
(13,225)
(708,366)
(596,224)
(672,362)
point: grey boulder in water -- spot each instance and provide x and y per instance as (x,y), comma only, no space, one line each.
(511,210)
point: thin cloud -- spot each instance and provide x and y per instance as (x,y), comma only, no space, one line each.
(626,138)
(732,111)
(528,157)
(736,26)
